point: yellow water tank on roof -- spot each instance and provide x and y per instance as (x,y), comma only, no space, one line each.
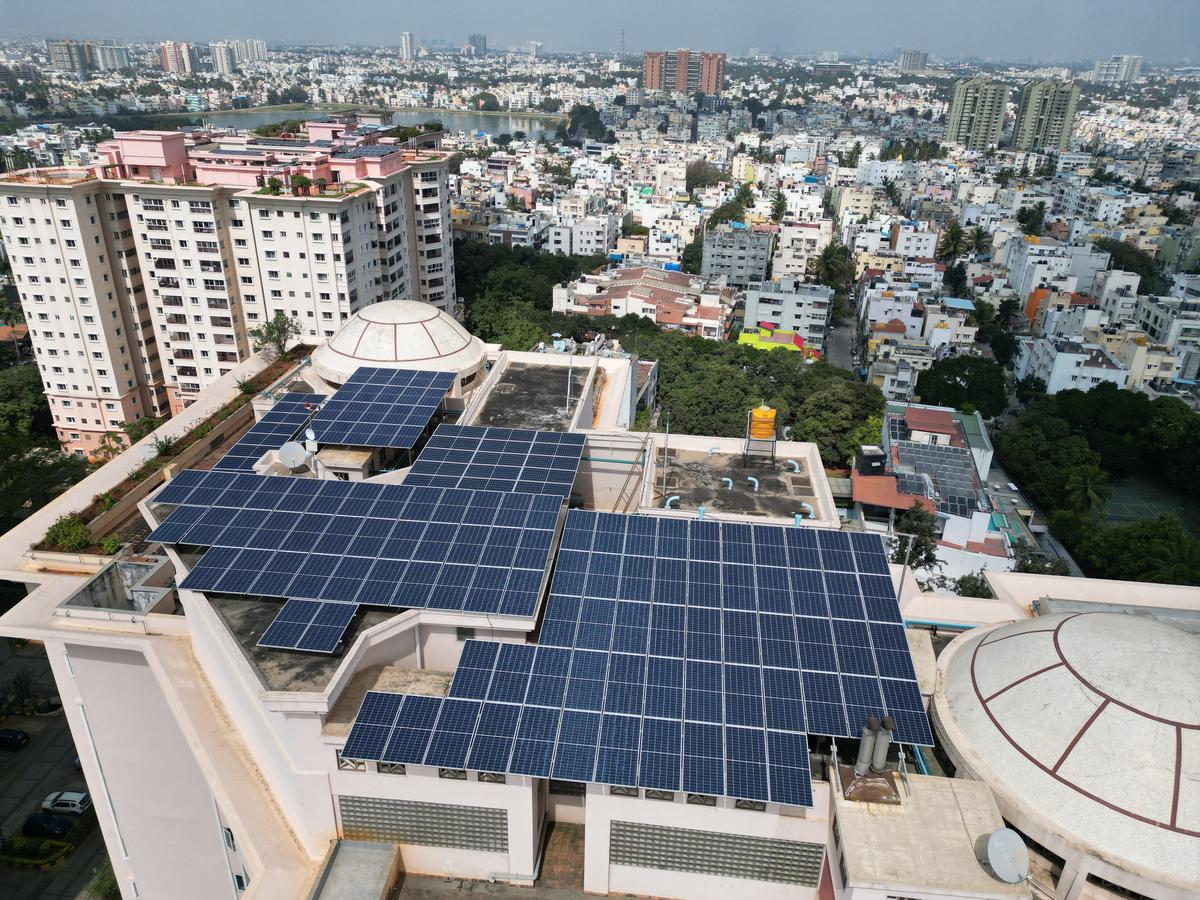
(762,423)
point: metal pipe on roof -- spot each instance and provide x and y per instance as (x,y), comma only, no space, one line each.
(729,482)
(794,463)
(882,740)
(866,746)
(753,481)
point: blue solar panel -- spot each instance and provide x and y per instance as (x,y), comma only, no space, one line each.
(308,625)
(499,459)
(382,408)
(358,542)
(693,656)
(279,425)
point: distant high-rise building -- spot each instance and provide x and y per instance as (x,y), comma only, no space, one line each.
(71,56)
(249,50)
(1045,110)
(828,56)
(477,44)
(406,46)
(683,71)
(111,57)
(535,48)
(977,113)
(914,61)
(224,57)
(1117,69)
(176,56)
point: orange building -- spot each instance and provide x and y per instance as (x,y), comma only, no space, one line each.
(683,71)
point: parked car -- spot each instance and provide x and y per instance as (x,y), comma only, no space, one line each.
(12,739)
(74,802)
(44,825)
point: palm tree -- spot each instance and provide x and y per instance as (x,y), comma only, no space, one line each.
(953,243)
(892,191)
(1088,490)
(1175,559)
(979,240)
(779,207)
(832,266)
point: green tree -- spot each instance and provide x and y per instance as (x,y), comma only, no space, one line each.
(23,406)
(832,417)
(692,258)
(852,158)
(1004,346)
(954,281)
(1029,387)
(953,243)
(485,101)
(31,475)
(274,336)
(1031,561)
(514,203)
(833,266)
(731,211)
(744,196)
(1032,218)
(917,539)
(892,191)
(973,584)
(778,207)
(978,240)
(965,382)
(701,174)
(1087,490)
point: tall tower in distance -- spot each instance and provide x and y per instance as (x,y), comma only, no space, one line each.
(406,46)
(477,44)
(1045,111)
(977,113)
(683,71)
(913,61)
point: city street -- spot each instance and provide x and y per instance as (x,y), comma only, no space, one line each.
(840,346)
(44,765)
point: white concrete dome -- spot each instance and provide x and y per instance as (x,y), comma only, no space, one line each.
(399,334)
(1087,728)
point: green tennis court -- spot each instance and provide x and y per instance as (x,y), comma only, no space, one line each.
(1134,499)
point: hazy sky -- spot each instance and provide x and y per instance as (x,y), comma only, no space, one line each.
(1160,30)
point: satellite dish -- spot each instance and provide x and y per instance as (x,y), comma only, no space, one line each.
(310,434)
(1007,856)
(293,455)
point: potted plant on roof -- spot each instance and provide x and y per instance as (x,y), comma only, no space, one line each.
(300,185)
(321,182)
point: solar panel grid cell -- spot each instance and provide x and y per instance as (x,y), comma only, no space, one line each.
(382,408)
(391,545)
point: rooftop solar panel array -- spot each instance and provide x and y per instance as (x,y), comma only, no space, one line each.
(359,542)
(674,655)
(281,423)
(308,625)
(499,459)
(382,408)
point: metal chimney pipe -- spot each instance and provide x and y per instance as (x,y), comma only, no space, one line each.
(880,751)
(866,744)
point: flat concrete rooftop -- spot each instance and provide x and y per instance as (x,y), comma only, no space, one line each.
(528,396)
(285,670)
(391,679)
(695,477)
(928,843)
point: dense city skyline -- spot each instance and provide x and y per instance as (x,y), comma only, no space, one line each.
(1160,30)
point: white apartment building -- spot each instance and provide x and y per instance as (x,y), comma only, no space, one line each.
(788,304)
(586,236)
(202,256)
(1116,292)
(799,243)
(78,276)
(1038,262)
(1067,365)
